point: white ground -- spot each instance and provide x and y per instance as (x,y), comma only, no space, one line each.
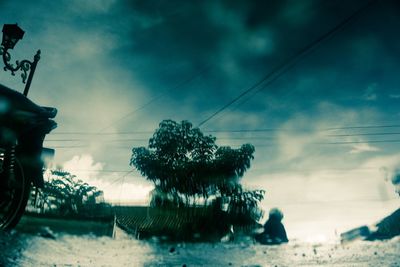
(124,251)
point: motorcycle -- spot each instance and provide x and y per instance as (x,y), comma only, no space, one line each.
(23,127)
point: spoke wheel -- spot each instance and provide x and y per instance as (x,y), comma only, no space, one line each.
(13,198)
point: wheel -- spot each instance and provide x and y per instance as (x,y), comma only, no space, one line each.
(13,198)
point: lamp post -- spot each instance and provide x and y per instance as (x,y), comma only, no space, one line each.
(12,33)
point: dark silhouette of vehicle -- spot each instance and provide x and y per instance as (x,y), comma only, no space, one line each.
(23,127)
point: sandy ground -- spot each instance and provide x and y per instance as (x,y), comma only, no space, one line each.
(19,249)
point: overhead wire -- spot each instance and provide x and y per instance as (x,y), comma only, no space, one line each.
(282,68)
(358,142)
(268,170)
(154,99)
(361,134)
(364,127)
(238,130)
(272,138)
(270,144)
(287,64)
(242,131)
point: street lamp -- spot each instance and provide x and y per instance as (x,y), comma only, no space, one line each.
(12,33)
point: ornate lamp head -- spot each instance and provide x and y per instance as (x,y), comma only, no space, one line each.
(12,33)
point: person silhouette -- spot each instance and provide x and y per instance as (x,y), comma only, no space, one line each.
(274,231)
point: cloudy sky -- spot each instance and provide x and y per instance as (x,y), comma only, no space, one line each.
(326,127)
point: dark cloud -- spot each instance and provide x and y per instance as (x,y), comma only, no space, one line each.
(104,60)
(224,47)
(240,41)
(135,50)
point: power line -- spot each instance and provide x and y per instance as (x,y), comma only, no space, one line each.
(289,63)
(271,144)
(105,171)
(154,99)
(100,132)
(97,133)
(246,131)
(364,127)
(68,147)
(123,181)
(360,134)
(86,146)
(122,177)
(146,140)
(236,130)
(91,140)
(266,169)
(359,142)
(226,138)
(335,143)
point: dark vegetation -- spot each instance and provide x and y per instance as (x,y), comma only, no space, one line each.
(66,205)
(188,169)
(66,196)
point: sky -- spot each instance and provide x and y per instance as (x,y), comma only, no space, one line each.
(326,130)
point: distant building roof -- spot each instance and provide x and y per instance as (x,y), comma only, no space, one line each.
(156,220)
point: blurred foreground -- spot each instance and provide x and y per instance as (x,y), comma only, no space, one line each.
(21,249)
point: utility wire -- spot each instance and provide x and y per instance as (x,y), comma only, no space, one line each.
(226,138)
(360,134)
(336,143)
(364,127)
(359,142)
(156,98)
(271,144)
(289,63)
(266,170)
(121,177)
(91,140)
(122,184)
(238,130)
(106,133)
(281,170)
(105,171)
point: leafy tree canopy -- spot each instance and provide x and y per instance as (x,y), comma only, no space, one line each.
(180,159)
(64,193)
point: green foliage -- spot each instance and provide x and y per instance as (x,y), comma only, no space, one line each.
(183,163)
(243,206)
(165,200)
(181,159)
(64,194)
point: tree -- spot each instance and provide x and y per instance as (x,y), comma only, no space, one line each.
(65,194)
(184,163)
